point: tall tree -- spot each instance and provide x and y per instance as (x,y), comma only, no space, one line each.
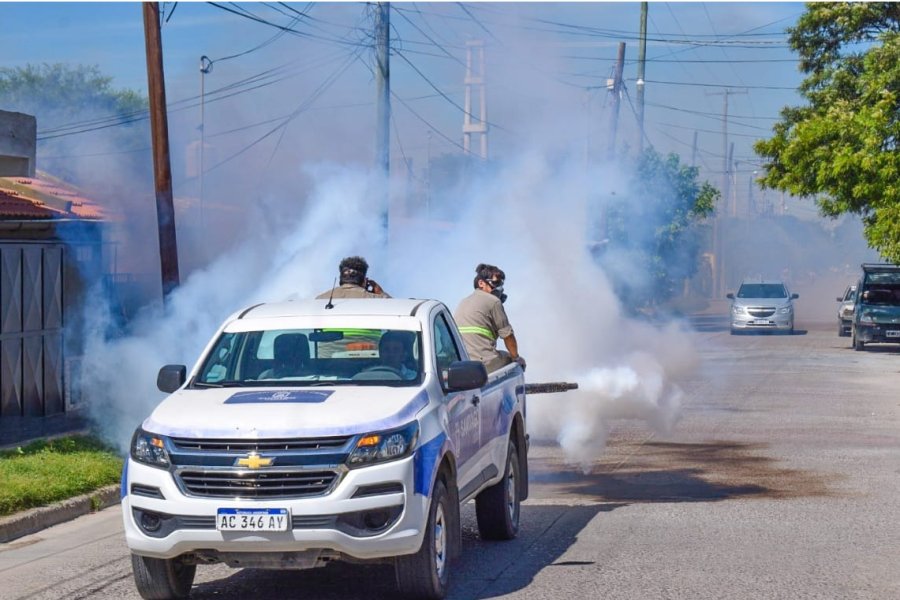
(655,227)
(842,146)
(67,99)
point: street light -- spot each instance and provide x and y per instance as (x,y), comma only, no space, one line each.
(206,65)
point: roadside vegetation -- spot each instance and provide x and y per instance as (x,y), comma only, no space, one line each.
(49,471)
(841,146)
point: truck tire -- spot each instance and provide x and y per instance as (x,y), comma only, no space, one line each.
(858,344)
(497,507)
(162,579)
(426,574)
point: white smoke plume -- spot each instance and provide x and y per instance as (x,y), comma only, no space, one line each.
(528,217)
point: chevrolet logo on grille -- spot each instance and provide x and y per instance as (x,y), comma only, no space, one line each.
(254,461)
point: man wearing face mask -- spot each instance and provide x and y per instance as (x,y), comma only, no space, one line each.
(482,319)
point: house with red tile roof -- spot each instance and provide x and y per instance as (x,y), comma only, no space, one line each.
(51,253)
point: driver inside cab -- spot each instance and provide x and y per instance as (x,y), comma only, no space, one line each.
(393,353)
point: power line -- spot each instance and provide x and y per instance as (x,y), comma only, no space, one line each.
(329,81)
(715,116)
(746,135)
(248,15)
(428,37)
(719,85)
(443,95)
(432,127)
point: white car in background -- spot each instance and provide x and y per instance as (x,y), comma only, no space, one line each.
(845,311)
(762,306)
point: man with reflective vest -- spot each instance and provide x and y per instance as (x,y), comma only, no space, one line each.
(482,319)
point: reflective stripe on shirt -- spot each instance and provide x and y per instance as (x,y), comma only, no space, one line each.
(478,331)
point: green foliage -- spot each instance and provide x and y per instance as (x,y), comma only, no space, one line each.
(842,147)
(49,471)
(61,95)
(656,225)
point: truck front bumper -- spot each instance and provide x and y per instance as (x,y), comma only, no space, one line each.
(340,521)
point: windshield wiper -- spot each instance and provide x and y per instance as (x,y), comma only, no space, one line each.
(220,384)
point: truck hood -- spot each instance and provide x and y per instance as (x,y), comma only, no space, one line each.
(284,413)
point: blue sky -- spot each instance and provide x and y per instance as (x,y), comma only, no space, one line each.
(547,65)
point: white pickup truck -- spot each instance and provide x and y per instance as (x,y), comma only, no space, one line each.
(310,432)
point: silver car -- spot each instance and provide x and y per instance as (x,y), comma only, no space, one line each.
(845,311)
(762,305)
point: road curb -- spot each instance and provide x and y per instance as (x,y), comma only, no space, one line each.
(36,519)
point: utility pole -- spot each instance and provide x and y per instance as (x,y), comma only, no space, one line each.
(694,151)
(726,170)
(718,249)
(616,91)
(642,59)
(383,106)
(162,171)
(751,202)
(732,188)
(475,52)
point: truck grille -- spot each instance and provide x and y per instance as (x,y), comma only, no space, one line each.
(761,312)
(268,445)
(252,484)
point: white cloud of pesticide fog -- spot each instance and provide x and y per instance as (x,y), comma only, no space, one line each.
(528,216)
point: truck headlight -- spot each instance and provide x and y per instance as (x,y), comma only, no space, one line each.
(866,318)
(738,310)
(785,310)
(149,449)
(383,446)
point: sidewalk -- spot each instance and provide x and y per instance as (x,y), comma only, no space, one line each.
(34,520)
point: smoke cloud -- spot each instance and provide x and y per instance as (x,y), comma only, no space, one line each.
(528,216)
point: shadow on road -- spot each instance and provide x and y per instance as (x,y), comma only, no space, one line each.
(680,472)
(485,570)
(710,323)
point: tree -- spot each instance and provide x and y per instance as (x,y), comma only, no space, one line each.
(67,98)
(842,147)
(656,225)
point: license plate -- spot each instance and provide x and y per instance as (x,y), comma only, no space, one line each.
(892,333)
(761,322)
(252,519)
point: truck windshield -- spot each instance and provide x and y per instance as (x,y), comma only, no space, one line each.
(306,357)
(762,290)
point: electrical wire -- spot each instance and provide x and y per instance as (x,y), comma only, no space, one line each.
(429,38)
(715,116)
(432,127)
(720,85)
(445,96)
(332,78)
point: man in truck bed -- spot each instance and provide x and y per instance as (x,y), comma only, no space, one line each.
(482,319)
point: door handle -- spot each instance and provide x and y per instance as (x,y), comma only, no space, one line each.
(476,400)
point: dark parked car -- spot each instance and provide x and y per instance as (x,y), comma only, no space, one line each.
(876,314)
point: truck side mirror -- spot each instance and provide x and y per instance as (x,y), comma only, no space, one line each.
(730,296)
(171,377)
(794,296)
(465,375)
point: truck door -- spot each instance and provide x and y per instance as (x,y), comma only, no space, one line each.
(463,410)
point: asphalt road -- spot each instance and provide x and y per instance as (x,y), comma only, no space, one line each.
(780,481)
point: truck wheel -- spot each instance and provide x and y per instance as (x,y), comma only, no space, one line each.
(497,507)
(426,574)
(858,344)
(162,579)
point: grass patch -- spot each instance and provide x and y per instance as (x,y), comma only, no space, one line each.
(44,472)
